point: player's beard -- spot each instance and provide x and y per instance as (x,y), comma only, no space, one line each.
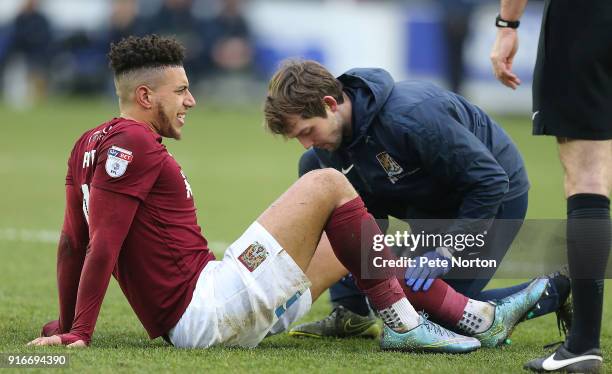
(166,123)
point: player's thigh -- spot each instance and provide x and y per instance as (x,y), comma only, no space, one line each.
(297,218)
(237,300)
(587,165)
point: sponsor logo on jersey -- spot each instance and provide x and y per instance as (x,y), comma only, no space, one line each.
(253,256)
(117,161)
(99,134)
(391,167)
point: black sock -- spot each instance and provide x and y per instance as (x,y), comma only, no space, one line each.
(588,247)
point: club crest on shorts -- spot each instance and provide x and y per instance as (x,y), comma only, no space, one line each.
(253,256)
(117,161)
(392,168)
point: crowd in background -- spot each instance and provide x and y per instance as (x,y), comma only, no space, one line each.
(76,62)
(219,46)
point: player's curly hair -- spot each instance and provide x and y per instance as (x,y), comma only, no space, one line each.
(151,51)
(298,87)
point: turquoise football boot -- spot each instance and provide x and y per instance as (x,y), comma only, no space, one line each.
(427,337)
(509,311)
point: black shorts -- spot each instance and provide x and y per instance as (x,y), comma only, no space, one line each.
(572,83)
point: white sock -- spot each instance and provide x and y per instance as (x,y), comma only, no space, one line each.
(477,317)
(400,316)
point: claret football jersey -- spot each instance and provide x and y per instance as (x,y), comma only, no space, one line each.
(164,251)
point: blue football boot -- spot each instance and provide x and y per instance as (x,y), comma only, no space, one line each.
(427,337)
(508,312)
(552,299)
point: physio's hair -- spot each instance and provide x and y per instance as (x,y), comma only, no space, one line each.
(139,60)
(298,88)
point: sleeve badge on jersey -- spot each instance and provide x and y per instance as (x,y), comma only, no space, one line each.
(253,256)
(117,161)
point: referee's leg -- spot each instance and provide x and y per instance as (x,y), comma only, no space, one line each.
(588,182)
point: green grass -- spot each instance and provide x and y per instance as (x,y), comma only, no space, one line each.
(235,170)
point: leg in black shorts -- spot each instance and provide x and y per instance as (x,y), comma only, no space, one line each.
(572,100)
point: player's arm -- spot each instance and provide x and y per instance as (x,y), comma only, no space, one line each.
(70,258)
(110,217)
(506,43)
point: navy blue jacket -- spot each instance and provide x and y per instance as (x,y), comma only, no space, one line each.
(418,151)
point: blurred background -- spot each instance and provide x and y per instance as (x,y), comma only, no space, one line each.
(58,47)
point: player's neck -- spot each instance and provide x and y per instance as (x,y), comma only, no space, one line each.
(138,118)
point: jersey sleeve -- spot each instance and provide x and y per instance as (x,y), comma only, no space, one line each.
(129,162)
(70,256)
(109,223)
(69,180)
(69,176)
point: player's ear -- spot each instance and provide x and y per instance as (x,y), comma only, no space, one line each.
(143,96)
(331,103)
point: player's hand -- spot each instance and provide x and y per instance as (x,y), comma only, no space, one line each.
(502,56)
(424,275)
(55,340)
(50,328)
(46,340)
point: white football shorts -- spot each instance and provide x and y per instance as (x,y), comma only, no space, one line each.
(238,300)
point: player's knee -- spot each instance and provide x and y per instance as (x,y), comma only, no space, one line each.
(330,182)
(327,178)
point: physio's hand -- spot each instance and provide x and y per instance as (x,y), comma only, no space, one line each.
(55,340)
(424,275)
(50,328)
(502,56)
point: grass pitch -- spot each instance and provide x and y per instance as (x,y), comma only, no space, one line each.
(236,170)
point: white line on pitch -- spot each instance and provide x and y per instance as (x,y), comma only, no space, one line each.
(12,234)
